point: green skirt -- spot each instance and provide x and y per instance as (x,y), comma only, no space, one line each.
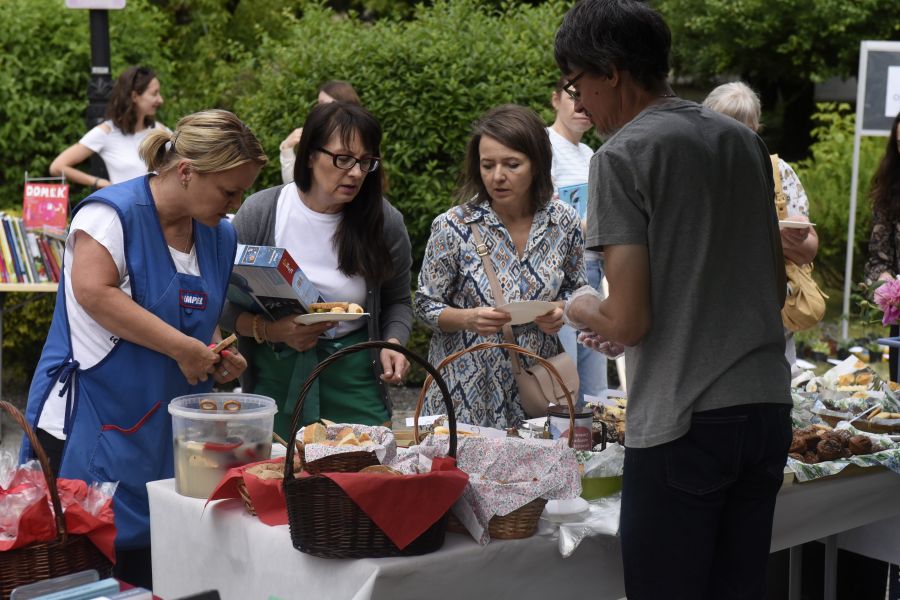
(345,392)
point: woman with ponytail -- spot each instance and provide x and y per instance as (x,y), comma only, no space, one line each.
(134,318)
(130,118)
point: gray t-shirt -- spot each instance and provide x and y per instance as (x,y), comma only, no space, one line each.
(696,188)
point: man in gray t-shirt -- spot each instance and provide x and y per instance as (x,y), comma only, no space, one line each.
(680,200)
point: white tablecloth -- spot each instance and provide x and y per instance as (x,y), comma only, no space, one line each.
(224,548)
(880,539)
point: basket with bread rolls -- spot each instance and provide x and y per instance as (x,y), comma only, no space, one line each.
(509,515)
(344,448)
(370,511)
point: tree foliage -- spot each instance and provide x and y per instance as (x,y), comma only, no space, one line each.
(427,80)
(771,41)
(781,48)
(826,177)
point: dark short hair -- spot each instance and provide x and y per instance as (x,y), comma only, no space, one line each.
(120,109)
(359,240)
(597,35)
(341,91)
(520,129)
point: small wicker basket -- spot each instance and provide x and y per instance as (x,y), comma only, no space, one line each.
(323,520)
(522,522)
(62,556)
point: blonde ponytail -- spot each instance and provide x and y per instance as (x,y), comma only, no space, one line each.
(155,147)
(213,140)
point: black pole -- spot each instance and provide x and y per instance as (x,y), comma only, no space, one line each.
(100,84)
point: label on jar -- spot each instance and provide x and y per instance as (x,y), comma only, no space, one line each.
(559,428)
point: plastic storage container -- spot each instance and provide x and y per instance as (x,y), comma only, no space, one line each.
(215,432)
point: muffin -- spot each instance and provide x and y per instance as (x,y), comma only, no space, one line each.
(860,444)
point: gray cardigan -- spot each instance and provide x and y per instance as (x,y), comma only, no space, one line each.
(390,303)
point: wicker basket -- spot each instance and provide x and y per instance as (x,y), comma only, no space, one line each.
(522,522)
(323,520)
(242,487)
(62,556)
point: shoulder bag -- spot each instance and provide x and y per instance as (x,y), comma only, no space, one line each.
(804,305)
(537,388)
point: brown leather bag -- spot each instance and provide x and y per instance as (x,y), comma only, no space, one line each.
(804,305)
(537,388)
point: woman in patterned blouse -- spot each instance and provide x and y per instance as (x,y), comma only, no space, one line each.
(535,245)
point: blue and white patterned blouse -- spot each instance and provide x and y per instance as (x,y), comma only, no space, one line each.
(481,384)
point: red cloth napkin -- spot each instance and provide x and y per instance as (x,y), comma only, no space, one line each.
(100,529)
(405,507)
(267,495)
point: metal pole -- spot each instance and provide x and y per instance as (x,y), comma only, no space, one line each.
(851,234)
(854,183)
(100,84)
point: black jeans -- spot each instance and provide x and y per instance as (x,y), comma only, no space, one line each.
(696,518)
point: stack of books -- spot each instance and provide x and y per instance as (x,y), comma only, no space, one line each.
(29,255)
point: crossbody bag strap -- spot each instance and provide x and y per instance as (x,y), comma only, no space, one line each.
(780,198)
(482,251)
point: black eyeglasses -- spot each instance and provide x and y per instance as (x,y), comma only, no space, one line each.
(347,162)
(571,91)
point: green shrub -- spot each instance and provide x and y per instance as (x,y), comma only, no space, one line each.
(826,178)
(426,80)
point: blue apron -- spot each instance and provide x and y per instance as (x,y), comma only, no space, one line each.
(117,424)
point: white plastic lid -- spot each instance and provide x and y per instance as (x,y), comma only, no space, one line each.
(252,406)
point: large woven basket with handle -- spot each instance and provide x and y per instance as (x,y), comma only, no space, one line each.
(522,522)
(62,556)
(324,521)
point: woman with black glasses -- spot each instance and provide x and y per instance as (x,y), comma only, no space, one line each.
(352,244)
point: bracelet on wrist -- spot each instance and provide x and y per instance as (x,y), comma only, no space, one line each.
(256,330)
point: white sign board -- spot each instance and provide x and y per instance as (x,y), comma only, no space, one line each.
(96,4)
(892,97)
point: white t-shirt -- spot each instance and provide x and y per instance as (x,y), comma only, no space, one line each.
(91,342)
(307,234)
(570,161)
(118,150)
(570,166)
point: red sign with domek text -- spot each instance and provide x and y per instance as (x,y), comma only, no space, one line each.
(45,205)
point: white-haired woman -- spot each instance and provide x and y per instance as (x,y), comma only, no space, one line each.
(799,245)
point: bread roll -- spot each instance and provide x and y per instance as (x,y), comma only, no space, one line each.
(314,434)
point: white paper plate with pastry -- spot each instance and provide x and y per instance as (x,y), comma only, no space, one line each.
(323,312)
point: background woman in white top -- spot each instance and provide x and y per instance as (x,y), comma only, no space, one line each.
(569,172)
(130,115)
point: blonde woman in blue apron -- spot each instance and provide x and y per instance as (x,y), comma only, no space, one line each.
(147,264)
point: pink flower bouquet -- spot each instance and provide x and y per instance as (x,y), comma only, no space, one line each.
(887,296)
